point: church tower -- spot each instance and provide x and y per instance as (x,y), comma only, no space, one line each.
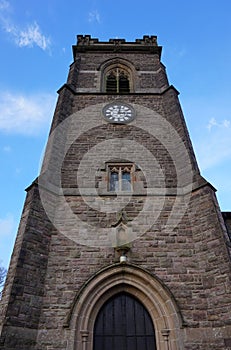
(121,243)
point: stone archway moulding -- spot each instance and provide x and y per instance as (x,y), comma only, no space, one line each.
(120,63)
(149,290)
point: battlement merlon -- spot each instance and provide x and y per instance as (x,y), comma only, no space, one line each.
(87,43)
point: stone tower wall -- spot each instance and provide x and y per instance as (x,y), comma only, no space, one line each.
(66,239)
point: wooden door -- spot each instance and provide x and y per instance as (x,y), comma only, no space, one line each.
(123,323)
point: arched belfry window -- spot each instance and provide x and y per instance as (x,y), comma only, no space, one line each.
(118,80)
(123,323)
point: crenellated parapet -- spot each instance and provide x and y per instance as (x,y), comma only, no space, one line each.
(87,43)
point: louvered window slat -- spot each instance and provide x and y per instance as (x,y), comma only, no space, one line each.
(117,82)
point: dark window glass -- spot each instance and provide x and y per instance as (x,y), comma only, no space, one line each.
(114,181)
(126,181)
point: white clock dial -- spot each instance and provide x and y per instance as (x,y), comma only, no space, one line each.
(120,113)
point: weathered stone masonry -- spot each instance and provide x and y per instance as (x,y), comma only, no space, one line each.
(55,285)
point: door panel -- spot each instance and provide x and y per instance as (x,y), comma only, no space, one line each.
(123,323)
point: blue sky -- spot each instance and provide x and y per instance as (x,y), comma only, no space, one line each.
(36,39)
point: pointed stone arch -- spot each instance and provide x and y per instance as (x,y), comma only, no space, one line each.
(148,289)
(119,66)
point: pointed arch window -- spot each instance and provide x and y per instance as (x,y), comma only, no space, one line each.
(120,177)
(117,81)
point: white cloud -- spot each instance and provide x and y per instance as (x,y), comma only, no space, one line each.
(29,36)
(4,5)
(226,123)
(26,115)
(209,125)
(94,16)
(18,171)
(7,149)
(212,122)
(7,225)
(214,146)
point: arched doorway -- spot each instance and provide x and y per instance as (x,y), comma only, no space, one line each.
(142,287)
(123,323)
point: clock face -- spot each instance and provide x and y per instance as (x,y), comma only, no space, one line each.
(120,113)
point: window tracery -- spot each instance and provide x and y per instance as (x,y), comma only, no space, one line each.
(118,80)
(120,177)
